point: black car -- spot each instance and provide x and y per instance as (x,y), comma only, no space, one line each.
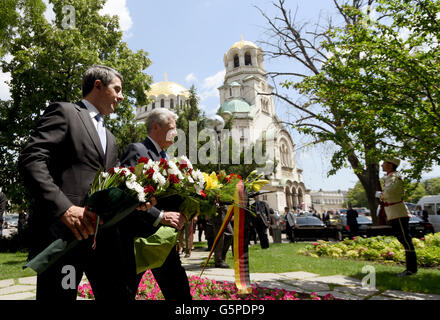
(310,227)
(363,222)
(418,228)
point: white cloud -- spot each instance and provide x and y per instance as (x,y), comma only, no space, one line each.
(119,8)
(210,85)
(191,78)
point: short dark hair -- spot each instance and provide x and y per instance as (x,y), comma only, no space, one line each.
(98,72)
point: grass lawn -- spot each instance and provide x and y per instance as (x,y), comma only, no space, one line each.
(284,257)
(11,266)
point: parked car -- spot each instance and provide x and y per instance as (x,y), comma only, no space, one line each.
(310,227)
(363,222)
(419,228)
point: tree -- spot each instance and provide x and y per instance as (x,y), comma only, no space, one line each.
(8,21)
(47,64)
(355,85)
(418,191)
(356,196)
(432,186)
(391,68)
(327,114)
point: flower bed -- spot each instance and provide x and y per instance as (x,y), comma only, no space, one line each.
(383,248)
(206,289)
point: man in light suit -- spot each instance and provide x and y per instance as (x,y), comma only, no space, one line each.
(397,213)
(171,276)
(58,164)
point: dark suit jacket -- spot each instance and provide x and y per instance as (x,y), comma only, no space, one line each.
(59,163)
(263,217)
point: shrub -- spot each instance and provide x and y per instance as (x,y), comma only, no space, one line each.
(385,249)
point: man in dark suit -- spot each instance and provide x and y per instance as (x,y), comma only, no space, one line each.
(261,221)
(171,276)
(69,144)
(352,223)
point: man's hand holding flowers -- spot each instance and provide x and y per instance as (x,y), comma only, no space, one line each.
(80,221)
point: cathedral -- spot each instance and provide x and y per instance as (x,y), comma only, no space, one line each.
(246,95)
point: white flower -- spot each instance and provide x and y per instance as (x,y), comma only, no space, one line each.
(159,179)
(184,159)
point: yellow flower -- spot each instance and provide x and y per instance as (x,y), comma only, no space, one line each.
(256,185)
(211,181)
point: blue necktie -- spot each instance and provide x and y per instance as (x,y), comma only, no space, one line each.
(101,131)
(163,154)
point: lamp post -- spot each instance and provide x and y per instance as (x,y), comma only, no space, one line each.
(217,124)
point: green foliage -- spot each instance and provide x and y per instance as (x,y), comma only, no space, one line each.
(384,249)
(357,196)
(7,22)
(375,91)
(47,64)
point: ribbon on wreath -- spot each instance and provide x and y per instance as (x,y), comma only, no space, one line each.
(240,246)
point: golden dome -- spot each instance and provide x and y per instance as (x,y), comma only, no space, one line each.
(167,88)
(243,43)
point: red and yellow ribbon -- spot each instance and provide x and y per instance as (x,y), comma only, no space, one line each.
(240,247)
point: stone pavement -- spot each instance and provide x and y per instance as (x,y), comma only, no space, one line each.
(340,287)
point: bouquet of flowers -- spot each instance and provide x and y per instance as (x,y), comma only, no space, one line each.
(220,188)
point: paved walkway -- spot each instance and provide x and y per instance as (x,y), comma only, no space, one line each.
(340,287)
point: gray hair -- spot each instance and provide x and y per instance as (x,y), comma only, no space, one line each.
(160,116)
(98,72)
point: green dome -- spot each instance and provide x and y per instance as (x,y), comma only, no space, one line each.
(235,105)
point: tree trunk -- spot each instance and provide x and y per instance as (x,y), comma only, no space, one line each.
(369,182)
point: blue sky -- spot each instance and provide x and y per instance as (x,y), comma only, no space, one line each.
(187,40)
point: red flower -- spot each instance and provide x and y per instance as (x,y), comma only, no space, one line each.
(149,173)
(164,164)
(173,179)
(149,189)
(111,171)
(122,173)
(183,165)
(203,194)
(131,169)
(143,160)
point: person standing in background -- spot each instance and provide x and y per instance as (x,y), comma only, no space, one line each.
(261,221)
(397,213)
(352,221)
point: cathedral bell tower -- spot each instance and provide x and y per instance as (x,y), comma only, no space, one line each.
(245,78)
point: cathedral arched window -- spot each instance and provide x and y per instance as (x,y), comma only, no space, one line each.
(236,61)
(230,92)
(162,103)
(153,105)
(247,59)
(172,104)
